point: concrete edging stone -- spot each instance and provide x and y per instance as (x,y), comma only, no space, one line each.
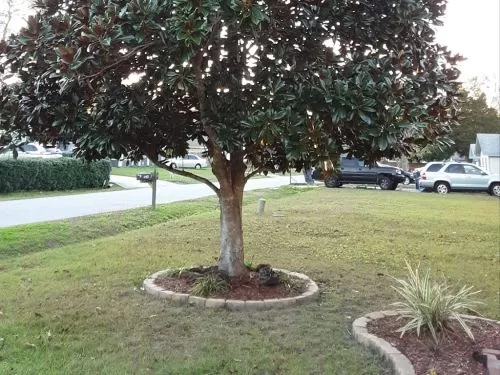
(400,363)
(311,294)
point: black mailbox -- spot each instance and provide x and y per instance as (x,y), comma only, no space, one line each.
(145,177)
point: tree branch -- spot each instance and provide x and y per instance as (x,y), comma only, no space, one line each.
(119,61)
(253,173)
(203,180)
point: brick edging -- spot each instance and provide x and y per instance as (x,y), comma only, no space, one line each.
(400,363)
(311,294)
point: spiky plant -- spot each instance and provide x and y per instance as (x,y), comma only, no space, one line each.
(431,305)
(209,285)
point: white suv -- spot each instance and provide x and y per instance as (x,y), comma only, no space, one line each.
(460,177)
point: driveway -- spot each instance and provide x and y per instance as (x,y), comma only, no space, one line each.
(17,212)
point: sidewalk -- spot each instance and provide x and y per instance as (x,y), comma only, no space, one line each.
(27,211)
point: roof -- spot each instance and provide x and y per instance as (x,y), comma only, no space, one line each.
(489,144)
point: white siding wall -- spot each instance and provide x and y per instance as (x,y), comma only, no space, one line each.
(494,164)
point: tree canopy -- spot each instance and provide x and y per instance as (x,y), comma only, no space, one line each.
(274,82)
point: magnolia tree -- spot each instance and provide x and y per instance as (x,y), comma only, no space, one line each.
(273,84)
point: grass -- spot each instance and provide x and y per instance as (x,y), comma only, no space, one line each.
(25,239)
(167,176)
(45,194)
(76,308)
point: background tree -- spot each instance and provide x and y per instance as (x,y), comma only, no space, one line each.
(9,9)
(276,83)
(475,117)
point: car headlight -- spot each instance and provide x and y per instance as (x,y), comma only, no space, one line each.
(398,171)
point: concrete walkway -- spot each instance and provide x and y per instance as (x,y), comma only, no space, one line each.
(26,211)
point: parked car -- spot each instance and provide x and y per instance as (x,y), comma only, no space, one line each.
(29,151)
(188,161)
(355,171)
(454,176)
(409,178)
(427,171)
(32,150)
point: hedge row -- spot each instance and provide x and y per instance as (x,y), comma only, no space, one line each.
(52,174)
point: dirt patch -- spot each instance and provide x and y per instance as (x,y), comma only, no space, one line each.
(248,289)
(453,355)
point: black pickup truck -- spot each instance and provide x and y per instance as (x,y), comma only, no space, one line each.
(354,171)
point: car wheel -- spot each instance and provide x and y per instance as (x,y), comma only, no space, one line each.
(197,166)
(332,182)
(442,188)
(495,189)
(173,165)
(394,186)
(406,181)
(385,183)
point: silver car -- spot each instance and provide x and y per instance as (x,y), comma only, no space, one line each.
(455,176)
(188,161)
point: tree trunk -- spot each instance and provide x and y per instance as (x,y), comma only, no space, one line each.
(231,177)
(231,235)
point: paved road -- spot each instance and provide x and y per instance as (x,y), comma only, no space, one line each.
(26,211)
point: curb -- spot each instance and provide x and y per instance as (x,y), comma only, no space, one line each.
(400,363)
(183,299)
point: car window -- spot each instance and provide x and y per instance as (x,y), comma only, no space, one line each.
(349,163)
(455,168)
(434,167)
(29,148)
(191,157)
(470,169)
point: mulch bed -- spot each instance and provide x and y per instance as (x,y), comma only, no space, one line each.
(453,355)
(246,290)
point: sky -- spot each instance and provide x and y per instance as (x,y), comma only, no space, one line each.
(471,28)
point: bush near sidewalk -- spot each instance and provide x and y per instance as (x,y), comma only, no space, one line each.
(52,174)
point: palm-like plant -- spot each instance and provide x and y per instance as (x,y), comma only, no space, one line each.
(431,305)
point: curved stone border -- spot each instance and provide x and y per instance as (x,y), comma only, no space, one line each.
(311,294)
(400,363)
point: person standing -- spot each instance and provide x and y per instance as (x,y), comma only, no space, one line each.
(308,171)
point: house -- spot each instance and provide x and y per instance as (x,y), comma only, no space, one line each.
(486,152)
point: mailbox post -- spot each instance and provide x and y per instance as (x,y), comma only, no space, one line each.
(150,178)
(153,198)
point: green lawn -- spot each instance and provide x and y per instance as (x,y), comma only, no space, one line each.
(75,307)
(165,175)
(168,176)
(45,194)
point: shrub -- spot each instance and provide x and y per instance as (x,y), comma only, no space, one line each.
(173,272)
(291,284)
(208,285)
(52,174)
(430,305)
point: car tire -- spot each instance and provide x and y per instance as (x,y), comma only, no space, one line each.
(495,189)
(394,186)
(173,165)
(442,187)
(385,183)
(197,166)
(332,182)
(406,181)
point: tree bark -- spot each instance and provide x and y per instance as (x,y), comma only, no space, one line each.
(231,259)
(231,176)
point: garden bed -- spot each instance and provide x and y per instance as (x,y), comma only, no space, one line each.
(454,353)
(248,289)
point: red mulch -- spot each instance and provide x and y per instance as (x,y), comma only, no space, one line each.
(453,355)
(248,289)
